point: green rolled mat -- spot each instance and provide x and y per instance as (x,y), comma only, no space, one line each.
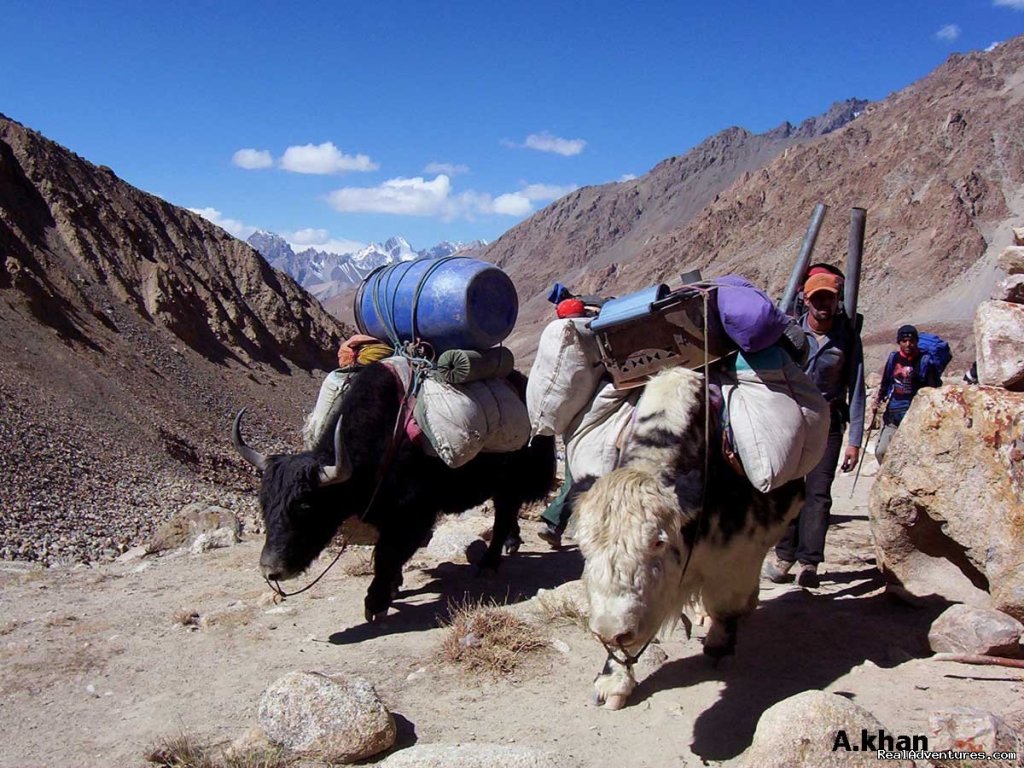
(461,366)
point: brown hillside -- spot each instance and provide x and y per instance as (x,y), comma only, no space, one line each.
(130,331)
(939,167)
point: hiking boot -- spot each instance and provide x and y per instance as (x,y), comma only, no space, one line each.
(777,570)
(552,534)
(808,576)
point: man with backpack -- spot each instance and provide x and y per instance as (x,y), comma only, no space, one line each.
(836,366)
(907,370)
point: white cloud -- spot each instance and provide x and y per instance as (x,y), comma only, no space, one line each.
(948,32)
(232,226)
(323,159)
(1017,5)
(252,159)
(420,197)
(511,204)
(546,142)
(407,197)
(627,177)
(449,169)
(321,240)
(993,46)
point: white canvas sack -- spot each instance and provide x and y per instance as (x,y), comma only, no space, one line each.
(462,420)
(564,375)
(592,440)
(779,419)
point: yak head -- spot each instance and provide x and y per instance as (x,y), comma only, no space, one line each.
(298,500)
(629,532)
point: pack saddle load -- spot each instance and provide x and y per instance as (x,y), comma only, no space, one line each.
(442,321)
(589,373)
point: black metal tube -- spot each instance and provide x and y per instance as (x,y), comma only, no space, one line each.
(806,249)
(854,255)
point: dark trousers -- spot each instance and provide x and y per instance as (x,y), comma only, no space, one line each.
(804,539)
(558,512)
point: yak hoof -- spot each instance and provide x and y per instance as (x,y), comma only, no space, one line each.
(512,545)
(375,618)
(615,701)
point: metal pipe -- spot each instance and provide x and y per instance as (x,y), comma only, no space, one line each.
(806,249)
(854,255)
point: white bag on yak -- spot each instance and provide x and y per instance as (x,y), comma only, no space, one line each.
(328,402)
(564,375)
(332,391)
(593,441)
(462,420)
(778,417)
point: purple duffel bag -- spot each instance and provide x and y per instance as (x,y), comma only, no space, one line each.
(748,316)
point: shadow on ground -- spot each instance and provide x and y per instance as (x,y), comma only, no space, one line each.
(795,642)
(519,579)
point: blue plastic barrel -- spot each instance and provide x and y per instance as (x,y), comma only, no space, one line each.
(454,302)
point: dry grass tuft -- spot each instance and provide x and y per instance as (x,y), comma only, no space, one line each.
(187,618)
(484,636)
(560,610)
(183,751)
(362,565)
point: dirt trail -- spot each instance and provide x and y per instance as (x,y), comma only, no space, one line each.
(96,666)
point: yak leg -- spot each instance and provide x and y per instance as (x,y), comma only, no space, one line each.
(613,686)
(729,591)
(393,551)
(506,521)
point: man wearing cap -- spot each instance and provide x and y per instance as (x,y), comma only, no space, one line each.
(905,372)
(836,365)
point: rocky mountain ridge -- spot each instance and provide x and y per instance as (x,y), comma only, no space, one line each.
(326,274)
(131,331)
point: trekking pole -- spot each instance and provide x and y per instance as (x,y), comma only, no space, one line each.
(860,463)
(867,439)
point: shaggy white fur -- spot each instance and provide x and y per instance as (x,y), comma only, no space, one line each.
(639,573)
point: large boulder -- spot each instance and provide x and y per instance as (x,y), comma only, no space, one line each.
(334,719)
(814,729)
(947,507)
(999,342)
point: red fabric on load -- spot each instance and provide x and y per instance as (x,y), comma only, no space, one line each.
(569,308)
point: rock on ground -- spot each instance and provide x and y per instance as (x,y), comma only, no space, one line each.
(1011,260)
(945,510)
(999,344)
(1010,289)
(971,730)
(962,629)
(801,731)
(337,719)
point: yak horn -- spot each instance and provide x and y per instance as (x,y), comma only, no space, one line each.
(342,469)
(255,458)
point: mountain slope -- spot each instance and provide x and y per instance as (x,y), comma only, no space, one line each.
(130,331)
(939,167)
(597,226)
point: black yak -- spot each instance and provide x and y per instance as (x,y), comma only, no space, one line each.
(362,468)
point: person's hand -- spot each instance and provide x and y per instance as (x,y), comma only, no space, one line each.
(850,458)
(873,421)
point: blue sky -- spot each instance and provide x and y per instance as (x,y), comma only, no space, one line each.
(338,123)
